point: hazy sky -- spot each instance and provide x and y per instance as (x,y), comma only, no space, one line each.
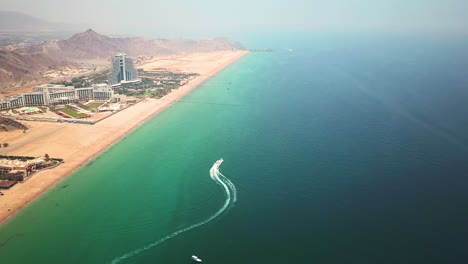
(217,17)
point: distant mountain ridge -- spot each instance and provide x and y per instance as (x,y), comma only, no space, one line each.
(91,45)
(11,21)
(22,64)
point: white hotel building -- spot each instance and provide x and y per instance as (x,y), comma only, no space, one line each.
(122,71)
(52,94)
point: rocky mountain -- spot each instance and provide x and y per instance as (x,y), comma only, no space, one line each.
(22,64)
(91,45)
(86,45)
(17,69)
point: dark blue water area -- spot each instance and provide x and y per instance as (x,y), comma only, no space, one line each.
(363,150)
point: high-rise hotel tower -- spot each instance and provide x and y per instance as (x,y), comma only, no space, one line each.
(122,70)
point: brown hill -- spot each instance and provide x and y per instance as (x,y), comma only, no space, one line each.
(17,69)
(86,45)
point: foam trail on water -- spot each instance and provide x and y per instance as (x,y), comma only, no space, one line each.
(231,197)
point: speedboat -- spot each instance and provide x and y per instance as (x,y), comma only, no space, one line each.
(196,258)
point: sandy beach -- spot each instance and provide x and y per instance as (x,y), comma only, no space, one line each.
(78,144)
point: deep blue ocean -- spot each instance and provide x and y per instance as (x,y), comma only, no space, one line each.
(342,149)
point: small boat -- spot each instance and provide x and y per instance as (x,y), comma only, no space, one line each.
(196,258)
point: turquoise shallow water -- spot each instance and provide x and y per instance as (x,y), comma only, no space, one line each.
(345,150)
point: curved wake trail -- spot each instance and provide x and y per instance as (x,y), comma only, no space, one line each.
(231,197)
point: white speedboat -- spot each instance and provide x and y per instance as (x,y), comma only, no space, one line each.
(197,259)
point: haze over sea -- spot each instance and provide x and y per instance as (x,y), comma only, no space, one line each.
(343,149)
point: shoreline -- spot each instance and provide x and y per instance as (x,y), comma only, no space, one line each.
(103,135)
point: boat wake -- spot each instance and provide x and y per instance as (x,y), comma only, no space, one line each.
(231,197)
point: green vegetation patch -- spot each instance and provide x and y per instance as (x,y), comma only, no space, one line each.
(86,80)
(91,106)
(149,94)
(72,112)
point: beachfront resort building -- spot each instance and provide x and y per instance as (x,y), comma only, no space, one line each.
(123,70)
(19,168)
(16,169)
(52,94)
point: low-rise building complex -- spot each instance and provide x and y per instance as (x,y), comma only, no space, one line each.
(53,94)
(18,170)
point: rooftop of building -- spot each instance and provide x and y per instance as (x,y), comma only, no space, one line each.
(6,184)
(10,163)
(64,88)
(52,85)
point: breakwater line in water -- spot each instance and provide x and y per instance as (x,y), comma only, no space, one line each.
(231,197)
